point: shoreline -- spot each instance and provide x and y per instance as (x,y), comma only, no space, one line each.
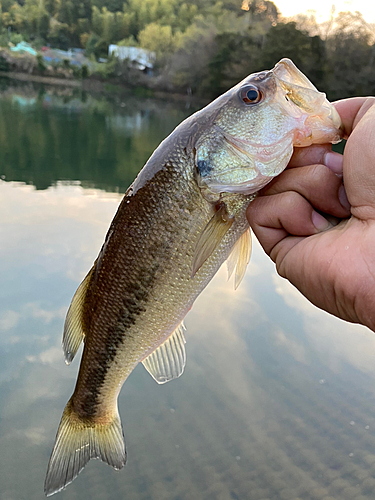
(102,87)
(50,80)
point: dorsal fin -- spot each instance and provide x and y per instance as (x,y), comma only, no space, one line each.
(239,257)
(211,236)
(73,328)
(168,360)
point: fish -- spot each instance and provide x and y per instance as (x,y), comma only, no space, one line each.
(183,216)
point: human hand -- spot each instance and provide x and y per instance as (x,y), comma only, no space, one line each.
(331,263)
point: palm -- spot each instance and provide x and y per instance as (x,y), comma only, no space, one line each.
(333,270)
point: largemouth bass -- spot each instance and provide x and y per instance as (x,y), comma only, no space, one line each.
(183,216)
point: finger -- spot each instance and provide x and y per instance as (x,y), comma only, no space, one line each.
(335,162)
(352,110)
(321,187)
(318,153)
(309,155)
(359,172)
(274,218)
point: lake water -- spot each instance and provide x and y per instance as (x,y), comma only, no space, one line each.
(277,401)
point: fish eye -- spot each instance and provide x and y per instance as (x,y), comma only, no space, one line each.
(250,94)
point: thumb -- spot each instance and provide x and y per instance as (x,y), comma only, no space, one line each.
(358,116)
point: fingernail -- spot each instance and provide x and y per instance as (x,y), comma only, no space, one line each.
(320,222)
(334,161)
(343,198)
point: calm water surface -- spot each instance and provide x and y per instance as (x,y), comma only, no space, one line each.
(277,401)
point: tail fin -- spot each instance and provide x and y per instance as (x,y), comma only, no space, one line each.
(78,441)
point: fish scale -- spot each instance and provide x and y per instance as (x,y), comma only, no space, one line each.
(184,215)
(159,271)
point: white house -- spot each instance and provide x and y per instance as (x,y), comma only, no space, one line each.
(139,58)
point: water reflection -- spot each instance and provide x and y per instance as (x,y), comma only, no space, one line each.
(65,136)
(277,399)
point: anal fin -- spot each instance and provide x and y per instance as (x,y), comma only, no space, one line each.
(168,361)
(240,257)
(73,328)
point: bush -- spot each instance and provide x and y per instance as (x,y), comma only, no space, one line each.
(106,70)
(41,65)
(85,71)
(16,38)
(4,64)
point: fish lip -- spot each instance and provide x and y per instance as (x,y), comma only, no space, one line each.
(286,71)
(325,126)
(336,120)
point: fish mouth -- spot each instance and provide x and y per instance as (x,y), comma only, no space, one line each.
(298,89)
(322,123)
(326,126)
(286,71)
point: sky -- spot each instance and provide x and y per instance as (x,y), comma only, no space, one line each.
(323,8)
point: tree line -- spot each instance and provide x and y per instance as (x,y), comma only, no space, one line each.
(204,46)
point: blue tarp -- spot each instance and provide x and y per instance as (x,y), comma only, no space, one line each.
(24,47)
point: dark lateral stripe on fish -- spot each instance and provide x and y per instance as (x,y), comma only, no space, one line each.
(101,361)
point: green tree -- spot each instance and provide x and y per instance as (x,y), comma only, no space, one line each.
(236,57)
(146,12)
(96,21)
(285,40)
(93,45)
(14,17)
(111,5)
(69,11)
(6,5)
(108,26)
(189,65)
(159,39)
(36,18)
(350,54)
(317,65)
(186,15)
(59,34)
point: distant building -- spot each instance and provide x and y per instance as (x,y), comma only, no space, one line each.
(141,59)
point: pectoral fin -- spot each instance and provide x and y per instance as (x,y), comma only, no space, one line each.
(239,257)
(73,328)
(211,236)
(168,360)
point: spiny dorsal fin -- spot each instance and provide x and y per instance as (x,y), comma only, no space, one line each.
(239,257)
(73,328)
(211,236)
(168,360)
(78,441)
